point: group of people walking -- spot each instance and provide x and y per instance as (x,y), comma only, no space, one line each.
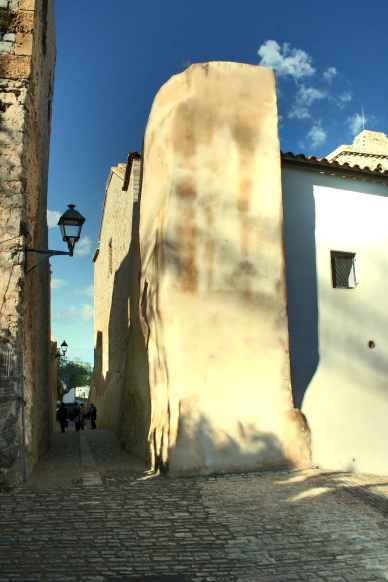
(80,414)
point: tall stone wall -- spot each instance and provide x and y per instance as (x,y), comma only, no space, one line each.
(212,297)
(116,280)
(27,61)
(53,380)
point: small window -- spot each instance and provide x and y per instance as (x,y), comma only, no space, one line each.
(343,270)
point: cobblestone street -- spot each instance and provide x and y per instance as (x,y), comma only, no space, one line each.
(92,512)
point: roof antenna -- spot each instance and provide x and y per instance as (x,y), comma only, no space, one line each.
(363,119)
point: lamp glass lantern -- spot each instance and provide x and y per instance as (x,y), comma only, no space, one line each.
(64,347)
(71,223)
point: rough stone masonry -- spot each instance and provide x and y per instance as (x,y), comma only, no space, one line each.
(27,60)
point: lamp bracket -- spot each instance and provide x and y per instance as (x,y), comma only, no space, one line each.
(46,255)
(54,356)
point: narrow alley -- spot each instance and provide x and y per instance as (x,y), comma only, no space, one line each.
(92,512)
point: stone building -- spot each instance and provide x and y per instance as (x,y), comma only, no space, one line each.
(116,264)
(27,61)
(242,323)
(206,384)
(370,148)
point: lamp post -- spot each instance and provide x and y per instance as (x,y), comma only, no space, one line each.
(71,223)
(64,347)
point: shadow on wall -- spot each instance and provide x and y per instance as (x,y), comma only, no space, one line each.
(97,367)
(119,314)
(362,358)
(239,285)
(302,291)
(201,448)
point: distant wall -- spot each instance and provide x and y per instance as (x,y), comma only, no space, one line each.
(27,60)
(116,293)
(114,241)
(212,298)
(369,148)
(53,380)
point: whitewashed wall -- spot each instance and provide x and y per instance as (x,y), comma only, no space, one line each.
(341,383)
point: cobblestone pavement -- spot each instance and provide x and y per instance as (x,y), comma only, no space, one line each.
(94,513)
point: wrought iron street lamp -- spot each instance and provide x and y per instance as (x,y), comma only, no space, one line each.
(71,223)
(64,347)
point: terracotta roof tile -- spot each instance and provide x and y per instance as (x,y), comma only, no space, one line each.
(331,163)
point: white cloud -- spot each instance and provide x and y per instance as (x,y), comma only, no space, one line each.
(52,218)
(299,112)
(85,291)
(343,99)
(293,62)
(317,135)
(58,283)
(355,123)
(84,313)
(304,98)
(83,247)
(307,95)
(329,74)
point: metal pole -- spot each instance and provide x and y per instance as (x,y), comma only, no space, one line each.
(24,404)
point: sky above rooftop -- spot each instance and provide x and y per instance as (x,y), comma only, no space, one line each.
(112,58)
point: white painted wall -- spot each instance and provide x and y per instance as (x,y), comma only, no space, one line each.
(70,396)
(346,397)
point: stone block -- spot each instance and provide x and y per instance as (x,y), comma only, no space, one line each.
(27,4)
(15,67)
(6,48)
(9,37)
(24,44)
(4,3)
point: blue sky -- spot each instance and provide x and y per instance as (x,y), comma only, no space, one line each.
(330,60)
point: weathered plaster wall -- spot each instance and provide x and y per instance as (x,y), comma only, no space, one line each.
(212,290)
(27,63)
(338,381)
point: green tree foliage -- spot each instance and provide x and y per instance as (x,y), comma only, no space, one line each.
(72,373)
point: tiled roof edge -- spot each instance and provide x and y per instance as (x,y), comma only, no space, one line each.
(323,162)
(356,153)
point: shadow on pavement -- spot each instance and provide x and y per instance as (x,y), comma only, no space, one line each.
(371,489)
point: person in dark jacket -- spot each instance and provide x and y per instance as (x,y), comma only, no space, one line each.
(62,415)
(77,416)
(93,414)
(83,415)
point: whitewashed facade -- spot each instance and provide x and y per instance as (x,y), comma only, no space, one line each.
(339,377)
